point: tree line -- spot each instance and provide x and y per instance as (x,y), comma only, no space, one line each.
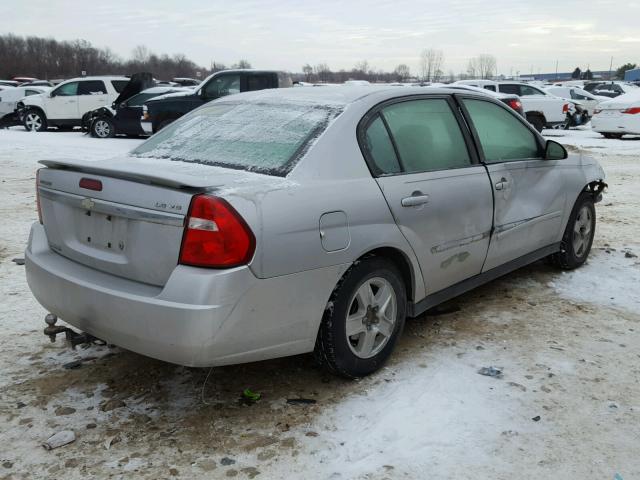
(47,58)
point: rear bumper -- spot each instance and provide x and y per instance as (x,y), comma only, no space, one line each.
(622,123)
(199,318)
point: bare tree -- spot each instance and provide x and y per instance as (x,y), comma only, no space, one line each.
(140,54)
(482,66)
(431,61)
(323,72)
(402,72)
(242,64)
(308,71)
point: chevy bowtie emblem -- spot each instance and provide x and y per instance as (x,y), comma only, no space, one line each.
(87,204)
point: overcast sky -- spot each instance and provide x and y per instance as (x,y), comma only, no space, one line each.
(286,34)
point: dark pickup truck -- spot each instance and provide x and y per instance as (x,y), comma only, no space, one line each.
(161,111)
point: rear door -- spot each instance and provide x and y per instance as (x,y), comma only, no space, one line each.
(92,94)
(259,81)
(438,194)
(63,102)
(528,190)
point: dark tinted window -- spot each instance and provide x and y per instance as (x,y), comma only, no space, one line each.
(427,135)
(490,87)
(526,90)
(222,85)
(502,136)
(378,145)
(31,92)
(512,89)
(119,85)
(259,82)
(92,87)
(66,90)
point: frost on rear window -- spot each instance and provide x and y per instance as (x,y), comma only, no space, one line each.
(262,137)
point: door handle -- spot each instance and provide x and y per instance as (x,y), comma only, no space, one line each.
(416,199)
(502,184)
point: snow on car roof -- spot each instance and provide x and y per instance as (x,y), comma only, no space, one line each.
(166,89)
(337,95)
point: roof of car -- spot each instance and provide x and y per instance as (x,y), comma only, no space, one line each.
(339,95)
(99,77)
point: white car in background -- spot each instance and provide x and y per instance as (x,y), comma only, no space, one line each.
(64,106)
(619,116)
(541,109)
(9,98)
(586,100)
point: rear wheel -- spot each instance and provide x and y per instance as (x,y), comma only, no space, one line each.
(578,236)
(35,121)
(612,135)
(102,128)
(537,121)
(364,319)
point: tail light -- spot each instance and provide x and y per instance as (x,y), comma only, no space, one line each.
(38,195)
(515,104)
(632,110)
(565,108)
(216,236)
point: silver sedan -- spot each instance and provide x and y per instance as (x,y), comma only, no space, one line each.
(286,221)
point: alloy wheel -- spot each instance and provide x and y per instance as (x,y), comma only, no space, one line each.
(102,128)
(371,317)
(33,121)
(582,231)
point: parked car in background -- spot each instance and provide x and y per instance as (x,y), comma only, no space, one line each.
(22,80)
(9,99)
(287,221)
(541,109)
(610,89)
(186,82)
(124,116)
(37,83)
(579,96)
(64,106)
(9,83)
(618,116)
(163,110)
(512,101)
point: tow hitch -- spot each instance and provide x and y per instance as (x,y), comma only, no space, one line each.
(72,337)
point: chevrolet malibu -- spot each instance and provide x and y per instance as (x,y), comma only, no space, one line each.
(287,221)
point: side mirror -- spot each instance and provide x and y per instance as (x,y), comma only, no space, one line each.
(554,151)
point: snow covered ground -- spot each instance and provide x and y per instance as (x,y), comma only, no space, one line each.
(567,405)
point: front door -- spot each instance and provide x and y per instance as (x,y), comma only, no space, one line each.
(63,102)
(528,190)
(438,194)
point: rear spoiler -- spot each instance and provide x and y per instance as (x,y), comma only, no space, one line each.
(126,170)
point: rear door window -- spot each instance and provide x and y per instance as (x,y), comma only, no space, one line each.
(427,135)
(502,136)
(92,87)
(510,88)
(119,85)
(260,82)
(379,147)
(526,90)
(490,87)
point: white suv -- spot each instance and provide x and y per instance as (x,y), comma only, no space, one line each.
(540,108)
(64,106)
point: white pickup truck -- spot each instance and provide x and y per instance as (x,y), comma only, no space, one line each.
(541,109)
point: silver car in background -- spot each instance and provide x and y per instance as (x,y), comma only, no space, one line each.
(286,221)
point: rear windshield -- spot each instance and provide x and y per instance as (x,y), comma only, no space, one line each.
(261,137)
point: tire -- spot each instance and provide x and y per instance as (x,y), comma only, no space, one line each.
(578,236)
(374,337)
(616,136)
(102,128)
(537,121)
(35,121)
